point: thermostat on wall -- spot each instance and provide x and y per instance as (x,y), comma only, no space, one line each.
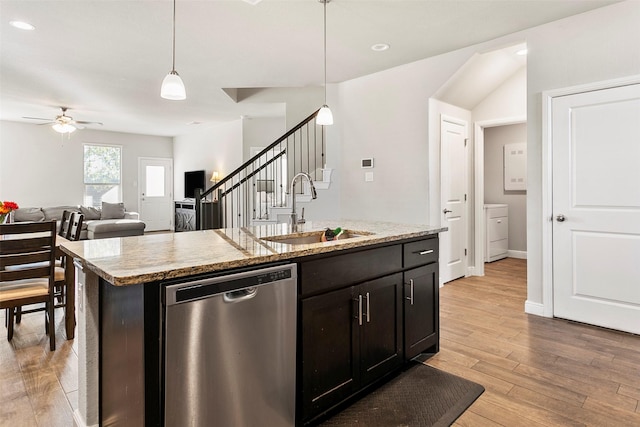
(367,163)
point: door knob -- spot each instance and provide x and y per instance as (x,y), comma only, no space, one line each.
(560,218)
(446,211)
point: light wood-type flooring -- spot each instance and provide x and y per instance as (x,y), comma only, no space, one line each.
(536,371)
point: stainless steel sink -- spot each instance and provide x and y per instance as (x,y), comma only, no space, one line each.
(310,237)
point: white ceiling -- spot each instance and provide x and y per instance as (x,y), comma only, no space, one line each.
(106,59)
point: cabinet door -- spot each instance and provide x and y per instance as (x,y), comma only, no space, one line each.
(329,350)
(421,310)
(381,330)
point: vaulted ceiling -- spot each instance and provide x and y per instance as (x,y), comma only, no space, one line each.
(106,59)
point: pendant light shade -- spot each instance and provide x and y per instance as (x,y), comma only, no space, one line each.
(172,85)
(64,128)
(325,117)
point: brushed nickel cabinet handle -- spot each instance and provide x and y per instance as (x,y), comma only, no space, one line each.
(410,297)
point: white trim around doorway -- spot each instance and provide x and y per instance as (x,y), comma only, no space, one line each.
(478,166)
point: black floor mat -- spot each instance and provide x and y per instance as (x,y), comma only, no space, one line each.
(420,396)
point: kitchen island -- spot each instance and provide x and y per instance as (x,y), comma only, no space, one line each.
(120,305)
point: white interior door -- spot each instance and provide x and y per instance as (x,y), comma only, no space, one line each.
(596,207)
(453,161)
(155,178)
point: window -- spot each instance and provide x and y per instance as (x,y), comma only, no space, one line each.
(102,174)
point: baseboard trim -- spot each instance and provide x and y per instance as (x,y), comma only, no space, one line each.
(534,308)
(79,422)
(517,254)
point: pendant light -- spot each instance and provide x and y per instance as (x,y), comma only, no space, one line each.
(325,117)
(172,85)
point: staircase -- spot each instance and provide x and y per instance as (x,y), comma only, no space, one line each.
(256,192)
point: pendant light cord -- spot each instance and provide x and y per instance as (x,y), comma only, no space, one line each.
(173,64)
(325,51)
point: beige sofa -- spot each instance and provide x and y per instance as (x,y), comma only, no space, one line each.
(99,223)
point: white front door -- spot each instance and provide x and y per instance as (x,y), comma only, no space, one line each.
(596,207)
(453,161)
(155,178)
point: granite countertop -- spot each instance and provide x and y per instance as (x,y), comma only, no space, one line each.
(124,261)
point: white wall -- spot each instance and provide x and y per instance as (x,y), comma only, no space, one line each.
(260,132)
(509,100)
(39,167)
(213,147)
(385,116)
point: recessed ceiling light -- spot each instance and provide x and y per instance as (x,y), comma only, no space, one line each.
(192,123)
(522,52)
(379,47)
(22,25)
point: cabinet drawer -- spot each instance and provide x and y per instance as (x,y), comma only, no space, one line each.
(498,247)
(338,271)
(497,212)
(420,252)
(498,228)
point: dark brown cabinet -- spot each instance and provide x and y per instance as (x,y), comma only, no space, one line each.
(351,337)
(420,313)
(363,315)
(421,297)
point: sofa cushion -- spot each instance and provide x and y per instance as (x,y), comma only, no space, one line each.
(28,214)
(90,213)
(115,228)
(112,210)
(55,212)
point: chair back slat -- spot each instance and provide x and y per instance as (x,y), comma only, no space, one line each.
(25,273)
(25,244)
(27,227)
(24,258)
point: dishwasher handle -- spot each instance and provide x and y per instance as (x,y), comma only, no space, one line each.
(240,295)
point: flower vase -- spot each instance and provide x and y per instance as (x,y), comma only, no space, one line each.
(6,218)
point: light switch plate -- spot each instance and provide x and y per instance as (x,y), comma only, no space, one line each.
(368,177)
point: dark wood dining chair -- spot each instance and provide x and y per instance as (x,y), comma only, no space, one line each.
(29,248)
(73,228)
(63,230)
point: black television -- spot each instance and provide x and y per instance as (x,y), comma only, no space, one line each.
(193,180)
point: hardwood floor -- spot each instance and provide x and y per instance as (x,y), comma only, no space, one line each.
(536,371)
(38,387)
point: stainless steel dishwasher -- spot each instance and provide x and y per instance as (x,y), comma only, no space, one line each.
(230,350)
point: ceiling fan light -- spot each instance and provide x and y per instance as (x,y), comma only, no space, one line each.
(325,116)
(173,87)
(64,128)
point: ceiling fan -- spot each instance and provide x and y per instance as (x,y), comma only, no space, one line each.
(64,123)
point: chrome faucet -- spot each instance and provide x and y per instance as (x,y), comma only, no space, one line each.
(293,220)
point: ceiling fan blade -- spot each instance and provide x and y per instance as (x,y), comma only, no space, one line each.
(81,122)
(46,123)
(36,118)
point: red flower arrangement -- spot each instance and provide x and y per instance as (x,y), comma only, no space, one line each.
(5,209)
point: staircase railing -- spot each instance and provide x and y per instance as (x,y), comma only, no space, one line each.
(255,190)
